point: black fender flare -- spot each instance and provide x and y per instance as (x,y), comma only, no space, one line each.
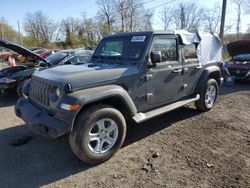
(92,95)
(209,72)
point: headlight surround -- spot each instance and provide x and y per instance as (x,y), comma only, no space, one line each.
(26,88)
(6,80)
(54,93)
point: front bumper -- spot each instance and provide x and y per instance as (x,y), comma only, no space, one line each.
(237,73)
(41,121)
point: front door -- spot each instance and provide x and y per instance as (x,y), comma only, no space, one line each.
(164,81)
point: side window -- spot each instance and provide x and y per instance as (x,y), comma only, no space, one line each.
(190,53)
(167,47)
(73,60)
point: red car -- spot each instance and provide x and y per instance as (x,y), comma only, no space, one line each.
(48,53)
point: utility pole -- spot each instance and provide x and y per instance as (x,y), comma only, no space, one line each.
(222,24)
(182,17)
(20,36)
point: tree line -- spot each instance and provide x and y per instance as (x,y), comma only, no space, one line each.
(118,16)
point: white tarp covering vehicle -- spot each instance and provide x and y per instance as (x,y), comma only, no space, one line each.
(209,48)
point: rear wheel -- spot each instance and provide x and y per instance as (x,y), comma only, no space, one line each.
(98,134)
(208,96)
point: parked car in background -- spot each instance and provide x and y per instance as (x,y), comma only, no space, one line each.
(239,64)
(22,59)
(48,53)
(35,48)
(72,56)
(12,78)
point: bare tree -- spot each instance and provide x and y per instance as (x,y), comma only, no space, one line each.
(131,15)
(167,17)
(40,27)
(184,15)
(7,32)
(189,15)
(147,21)
(106,12)
(90,31)
(238,4)
(212,19)
(70,27)
(121,8)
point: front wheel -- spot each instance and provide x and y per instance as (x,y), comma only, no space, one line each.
(208,96)
(98,134)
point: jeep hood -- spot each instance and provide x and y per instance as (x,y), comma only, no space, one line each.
(238,47)
(80,76)
(21,50)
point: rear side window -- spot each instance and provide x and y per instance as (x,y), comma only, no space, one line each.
(189,52)
(167,47)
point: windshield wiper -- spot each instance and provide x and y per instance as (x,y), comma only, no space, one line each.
(117,59)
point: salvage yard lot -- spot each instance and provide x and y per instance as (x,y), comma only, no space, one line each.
(193,149)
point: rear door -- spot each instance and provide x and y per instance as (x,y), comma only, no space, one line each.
(192,70)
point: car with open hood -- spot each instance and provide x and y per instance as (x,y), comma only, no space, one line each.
(239,64)
(12,78)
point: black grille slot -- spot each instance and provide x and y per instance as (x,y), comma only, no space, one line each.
(39,92)
(238,72)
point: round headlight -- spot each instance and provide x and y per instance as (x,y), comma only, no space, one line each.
(54,94)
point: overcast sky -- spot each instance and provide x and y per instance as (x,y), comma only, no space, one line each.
(14,10)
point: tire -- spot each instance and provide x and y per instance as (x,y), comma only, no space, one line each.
(208,96)
(19,89)
(102,124)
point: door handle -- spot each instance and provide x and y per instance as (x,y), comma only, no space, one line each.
(177,70)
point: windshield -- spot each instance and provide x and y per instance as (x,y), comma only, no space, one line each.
(56,58)
(242,57)
(129,48)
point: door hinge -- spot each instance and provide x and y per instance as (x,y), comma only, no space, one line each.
(184,86)
(149,96)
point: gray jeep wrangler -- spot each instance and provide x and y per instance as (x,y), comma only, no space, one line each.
(133,76)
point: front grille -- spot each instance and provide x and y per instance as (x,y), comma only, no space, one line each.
(39,92)
(238,72)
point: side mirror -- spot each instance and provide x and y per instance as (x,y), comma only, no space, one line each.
(156,57)
(42,64)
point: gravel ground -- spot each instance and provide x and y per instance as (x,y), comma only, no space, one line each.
(183,148)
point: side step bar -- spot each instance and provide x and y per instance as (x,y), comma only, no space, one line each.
(141,117)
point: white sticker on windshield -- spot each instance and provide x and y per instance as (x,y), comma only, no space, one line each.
(138,38)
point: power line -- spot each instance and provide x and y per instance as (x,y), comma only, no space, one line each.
(56,10)
(137,6)
(162,4)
